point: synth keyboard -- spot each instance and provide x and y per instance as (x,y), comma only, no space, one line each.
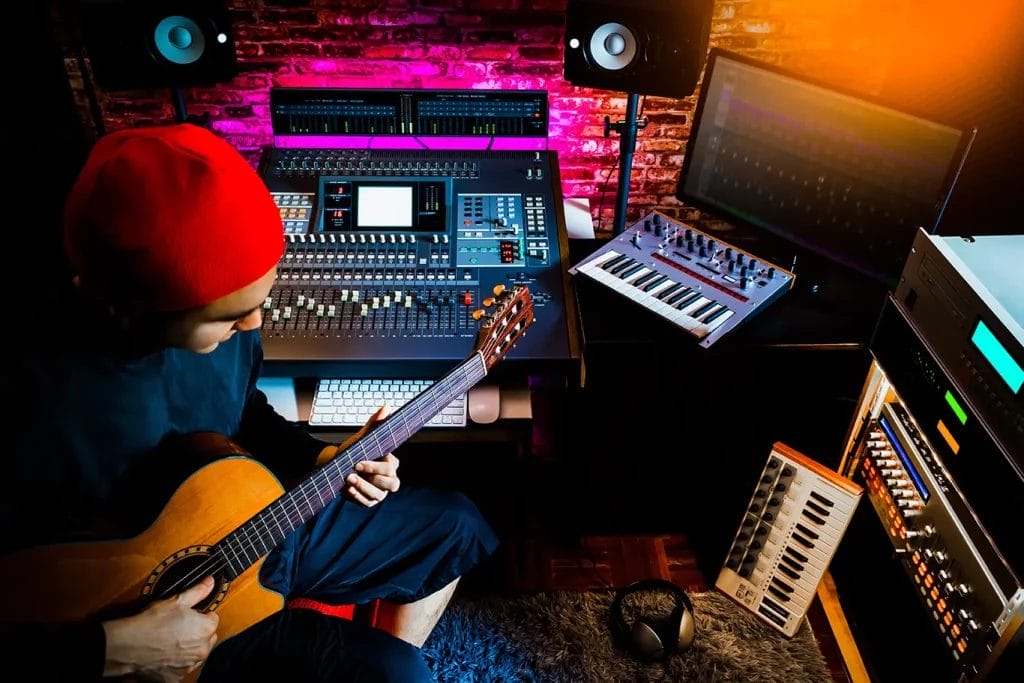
(690,278)
(790,531)
(346,402)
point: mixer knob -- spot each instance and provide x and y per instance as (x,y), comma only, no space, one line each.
(689,234)
(679,240)
(744,283)
(647,225)
(689,246)
(752,265)
(700,239)
(436,239)
(731,267)
(964,590)
(657,219)
(703,252)
(712,247)
(728,253)
(657,230)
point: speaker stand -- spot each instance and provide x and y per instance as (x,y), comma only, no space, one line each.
(628,130)
(181,114)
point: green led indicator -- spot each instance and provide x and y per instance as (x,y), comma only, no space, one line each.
(995,353)
(960,414)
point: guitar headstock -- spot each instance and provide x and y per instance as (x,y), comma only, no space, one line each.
(509,313)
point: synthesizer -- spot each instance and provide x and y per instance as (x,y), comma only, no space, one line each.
(390,252)
(789,533)
(690,278)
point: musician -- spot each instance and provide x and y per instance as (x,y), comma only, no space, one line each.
(173,240)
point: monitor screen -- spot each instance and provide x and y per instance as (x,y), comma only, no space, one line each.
(846,177)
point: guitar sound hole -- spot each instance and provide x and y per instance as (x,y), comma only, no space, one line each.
(186,571)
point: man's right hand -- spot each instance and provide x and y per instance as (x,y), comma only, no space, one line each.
(167,640)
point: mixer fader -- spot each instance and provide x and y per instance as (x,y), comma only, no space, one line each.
(690,278)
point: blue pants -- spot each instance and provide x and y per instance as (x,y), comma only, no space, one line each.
(413,544)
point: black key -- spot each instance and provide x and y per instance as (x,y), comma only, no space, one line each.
(782,584)
(768,602)
(654,283)
(817,508)
(802,541)
(788,572)
(645,278)
(777,593)
(631,271)
(628,263)
(668,291)
(822,499)
(813,517)
(687,300)
(806,532)
(717,314)
(671,301)
(793,564)
(702,309)
(771,616)
(797,554)
(611,264)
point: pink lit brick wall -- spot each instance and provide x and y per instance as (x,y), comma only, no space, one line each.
(506,44)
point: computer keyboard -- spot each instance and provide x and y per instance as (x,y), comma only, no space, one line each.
(350,402)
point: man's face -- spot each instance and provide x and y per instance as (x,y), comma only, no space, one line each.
(201,330)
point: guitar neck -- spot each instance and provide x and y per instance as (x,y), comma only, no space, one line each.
(265,530)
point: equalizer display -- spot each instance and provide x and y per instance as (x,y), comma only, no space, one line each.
(351,111)
(846,177)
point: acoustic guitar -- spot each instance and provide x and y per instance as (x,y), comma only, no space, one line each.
(228,515)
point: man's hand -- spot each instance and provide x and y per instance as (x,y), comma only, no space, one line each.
(373,479)
(167,640)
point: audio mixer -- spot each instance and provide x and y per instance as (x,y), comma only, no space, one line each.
(688,277)
(390,251)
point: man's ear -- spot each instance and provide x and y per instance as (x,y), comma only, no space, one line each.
(77,281)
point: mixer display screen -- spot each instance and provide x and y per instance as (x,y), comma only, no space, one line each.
(383,205)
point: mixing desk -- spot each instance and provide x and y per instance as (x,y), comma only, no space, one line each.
(390,251)
(690,278)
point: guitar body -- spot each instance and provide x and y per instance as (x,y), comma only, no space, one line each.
(107,579)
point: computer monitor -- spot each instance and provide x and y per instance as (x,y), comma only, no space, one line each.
(841,175)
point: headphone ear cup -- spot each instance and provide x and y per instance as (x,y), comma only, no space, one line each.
(647,640)
(687,629)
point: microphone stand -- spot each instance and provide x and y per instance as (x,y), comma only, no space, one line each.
(628,130)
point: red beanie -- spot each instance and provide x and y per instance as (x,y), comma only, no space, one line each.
(169,218)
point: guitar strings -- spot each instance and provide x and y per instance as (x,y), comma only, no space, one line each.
(216,562)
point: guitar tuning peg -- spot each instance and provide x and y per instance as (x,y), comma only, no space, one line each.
(498,290)
(489,301)
(478,313)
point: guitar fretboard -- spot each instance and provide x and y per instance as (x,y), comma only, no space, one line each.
(265,530)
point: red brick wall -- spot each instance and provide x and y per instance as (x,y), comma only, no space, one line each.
(504,44)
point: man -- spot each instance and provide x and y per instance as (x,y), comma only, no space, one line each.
(174,242)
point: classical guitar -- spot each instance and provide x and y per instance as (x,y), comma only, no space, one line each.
(207,528)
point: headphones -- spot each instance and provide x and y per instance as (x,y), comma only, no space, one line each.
(653,638)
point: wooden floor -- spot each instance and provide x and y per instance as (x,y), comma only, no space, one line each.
(605,562)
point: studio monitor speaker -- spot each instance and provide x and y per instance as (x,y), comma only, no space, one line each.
(647,47)
(155,43)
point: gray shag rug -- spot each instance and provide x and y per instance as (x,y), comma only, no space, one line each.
(564,636)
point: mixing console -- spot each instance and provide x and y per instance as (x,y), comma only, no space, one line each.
(389,253)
